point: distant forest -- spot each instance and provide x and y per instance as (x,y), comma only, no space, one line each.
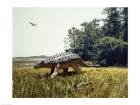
(105,44)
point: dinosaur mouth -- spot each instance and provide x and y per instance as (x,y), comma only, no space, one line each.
(35,67)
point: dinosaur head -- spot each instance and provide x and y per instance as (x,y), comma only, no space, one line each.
(39,65)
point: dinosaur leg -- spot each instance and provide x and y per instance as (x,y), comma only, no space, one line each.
(76,68)
(52,70)
(56,70)
(65,71)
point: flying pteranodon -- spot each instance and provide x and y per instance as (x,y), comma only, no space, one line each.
(33,24)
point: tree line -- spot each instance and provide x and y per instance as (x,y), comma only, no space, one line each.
(105,44)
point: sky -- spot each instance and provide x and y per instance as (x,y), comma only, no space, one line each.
(47,37)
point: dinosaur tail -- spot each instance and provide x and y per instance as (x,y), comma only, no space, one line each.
(86,65)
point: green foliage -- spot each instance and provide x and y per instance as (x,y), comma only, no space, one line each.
(110,51)
(91,83)
(124,25)
(112,22)
(105,44)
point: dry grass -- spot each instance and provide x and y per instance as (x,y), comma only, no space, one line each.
(92,82)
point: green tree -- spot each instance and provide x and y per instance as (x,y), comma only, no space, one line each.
(72,39)
(124,24)
(112,22)
(90,34)
(107,44)
(111,51)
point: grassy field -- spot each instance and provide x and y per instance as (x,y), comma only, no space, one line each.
(108,82)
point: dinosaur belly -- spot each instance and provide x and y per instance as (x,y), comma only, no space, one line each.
(70,63)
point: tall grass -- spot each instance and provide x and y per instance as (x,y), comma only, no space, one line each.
(92,82)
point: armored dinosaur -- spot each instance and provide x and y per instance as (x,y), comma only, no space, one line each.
(62,61)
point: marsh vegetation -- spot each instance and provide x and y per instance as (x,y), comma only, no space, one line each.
(102,82)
